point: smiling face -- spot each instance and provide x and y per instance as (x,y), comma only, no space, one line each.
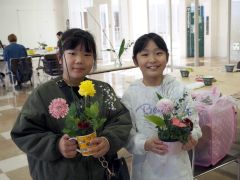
(152,61)
(77,52)
(77,65)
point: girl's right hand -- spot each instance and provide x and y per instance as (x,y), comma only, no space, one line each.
(67,147)
(155,145)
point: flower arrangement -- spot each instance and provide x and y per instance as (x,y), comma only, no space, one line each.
(189,69)
(123,47)
(173,121)
(185,72)
(42,45)
(76,122)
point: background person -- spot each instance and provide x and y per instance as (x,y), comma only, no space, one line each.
(14,50)
(1,45)
(59,36)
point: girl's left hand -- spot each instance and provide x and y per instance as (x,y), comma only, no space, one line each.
(190,144)
(100,148)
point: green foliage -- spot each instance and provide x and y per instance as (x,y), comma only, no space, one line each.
(167,131)
(156,120)
(92,111)
(90,115)
(172,126)
(123,47)
(42,45)
(174,133)
(159,96)
(71,121)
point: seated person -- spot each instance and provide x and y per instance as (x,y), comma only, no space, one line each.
(59,36)
(13,50)
(1,45)
(2,76)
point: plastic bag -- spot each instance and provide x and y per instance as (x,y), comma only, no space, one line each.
(217,119)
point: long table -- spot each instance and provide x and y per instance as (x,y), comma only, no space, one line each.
(226,82)
(112,67)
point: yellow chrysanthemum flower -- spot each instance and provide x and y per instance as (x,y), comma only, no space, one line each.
(86,88)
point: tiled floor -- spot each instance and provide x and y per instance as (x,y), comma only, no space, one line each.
(13,163)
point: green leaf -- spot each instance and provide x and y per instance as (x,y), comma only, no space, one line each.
(121,49)
(110,50)
(98,122)
(159,96)
(156,120)
(92,111)
(70,132)
(94,108)
(189,69)
(72,110)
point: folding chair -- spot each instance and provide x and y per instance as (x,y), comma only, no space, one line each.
(51,65)
(238,66)
(21,71)
(2,76)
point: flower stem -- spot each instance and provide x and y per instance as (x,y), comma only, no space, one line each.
(104,33)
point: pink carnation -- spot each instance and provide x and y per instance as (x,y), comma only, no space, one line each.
(178,123)
(58,108)
(165,106)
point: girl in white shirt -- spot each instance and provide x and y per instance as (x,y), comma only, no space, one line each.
(151,160)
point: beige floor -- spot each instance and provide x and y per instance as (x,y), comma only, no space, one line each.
(13,163)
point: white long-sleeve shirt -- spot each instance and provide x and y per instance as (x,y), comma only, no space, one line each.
(141,100)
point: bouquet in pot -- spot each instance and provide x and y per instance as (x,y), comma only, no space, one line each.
(78,122)
(172,121)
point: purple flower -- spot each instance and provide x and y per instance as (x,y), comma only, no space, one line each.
(165,106)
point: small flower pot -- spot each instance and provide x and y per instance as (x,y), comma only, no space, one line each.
(208,80)
(174,147)
(229,67)
(84,143)
(184,73)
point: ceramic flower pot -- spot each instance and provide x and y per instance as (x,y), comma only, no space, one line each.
(229,67)
(208,80)
(184,73)
(84,143)
(174,147)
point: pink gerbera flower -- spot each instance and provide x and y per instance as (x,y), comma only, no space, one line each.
(165,106)
(58,108)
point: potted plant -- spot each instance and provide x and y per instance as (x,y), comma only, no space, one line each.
(229,67)
(185,72)
(80,124)
(208,80)
(123,47)
(42,45)
(173,124)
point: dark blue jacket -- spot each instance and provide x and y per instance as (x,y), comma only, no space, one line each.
(14,50)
